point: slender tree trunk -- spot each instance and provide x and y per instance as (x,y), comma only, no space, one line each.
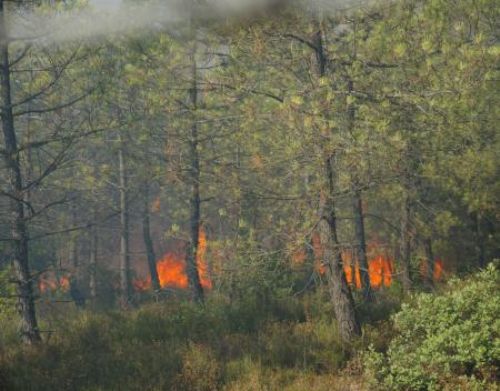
(73,244)
(359,228)
(357,204)
(340,292)
(125,294)
(194,184)
(343,303)
(26,304)
(148,242)
(429,258)
(75,275)
(480,247)
(405,244)
(93,264)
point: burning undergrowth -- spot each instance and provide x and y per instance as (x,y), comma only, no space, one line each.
(171,269)
(381,265)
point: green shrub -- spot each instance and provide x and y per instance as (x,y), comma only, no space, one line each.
(448,341)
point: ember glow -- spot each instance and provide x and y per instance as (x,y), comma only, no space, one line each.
(171,269)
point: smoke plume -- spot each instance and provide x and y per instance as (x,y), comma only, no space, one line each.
(103,18)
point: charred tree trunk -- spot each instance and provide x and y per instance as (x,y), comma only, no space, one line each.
(125,294)
(148,242)
(359,228)
(26,303)
(194,184)
(430,263)
(343,303)
(405,244)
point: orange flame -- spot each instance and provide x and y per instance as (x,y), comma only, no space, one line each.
(380,268)
(46,285)
(64,283)
(348,271)
(437,274)
(171,272)
(438,270)
(172,269)
(351,269)
(156,205)
(49,282)
(205,280)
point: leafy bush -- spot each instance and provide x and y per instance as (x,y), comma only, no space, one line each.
(448,341)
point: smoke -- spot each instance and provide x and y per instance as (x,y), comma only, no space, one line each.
(96,21)
(104,18)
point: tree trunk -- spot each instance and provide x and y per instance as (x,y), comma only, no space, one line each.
(194,184)
(125,294)
(74,266)
(429,258)
(148,242)
(480,246)
(343,303)
(405,245)
(357,204)
(73,244)
(93,264)
(359,228)
(26,304)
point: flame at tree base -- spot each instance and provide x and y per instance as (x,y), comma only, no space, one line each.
(437,273)
(380,272)
(49,282)
(171,269)
(380,267)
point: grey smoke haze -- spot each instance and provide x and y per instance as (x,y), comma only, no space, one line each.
(106,17)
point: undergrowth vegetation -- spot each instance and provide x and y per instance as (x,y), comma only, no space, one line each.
(445,340)
(178,345)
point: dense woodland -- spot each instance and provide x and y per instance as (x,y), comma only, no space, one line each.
(296,195)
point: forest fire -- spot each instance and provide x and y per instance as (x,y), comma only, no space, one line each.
(49,282)
(380,271)
(438,270)
(437,273)
(171,269)
(380,267)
